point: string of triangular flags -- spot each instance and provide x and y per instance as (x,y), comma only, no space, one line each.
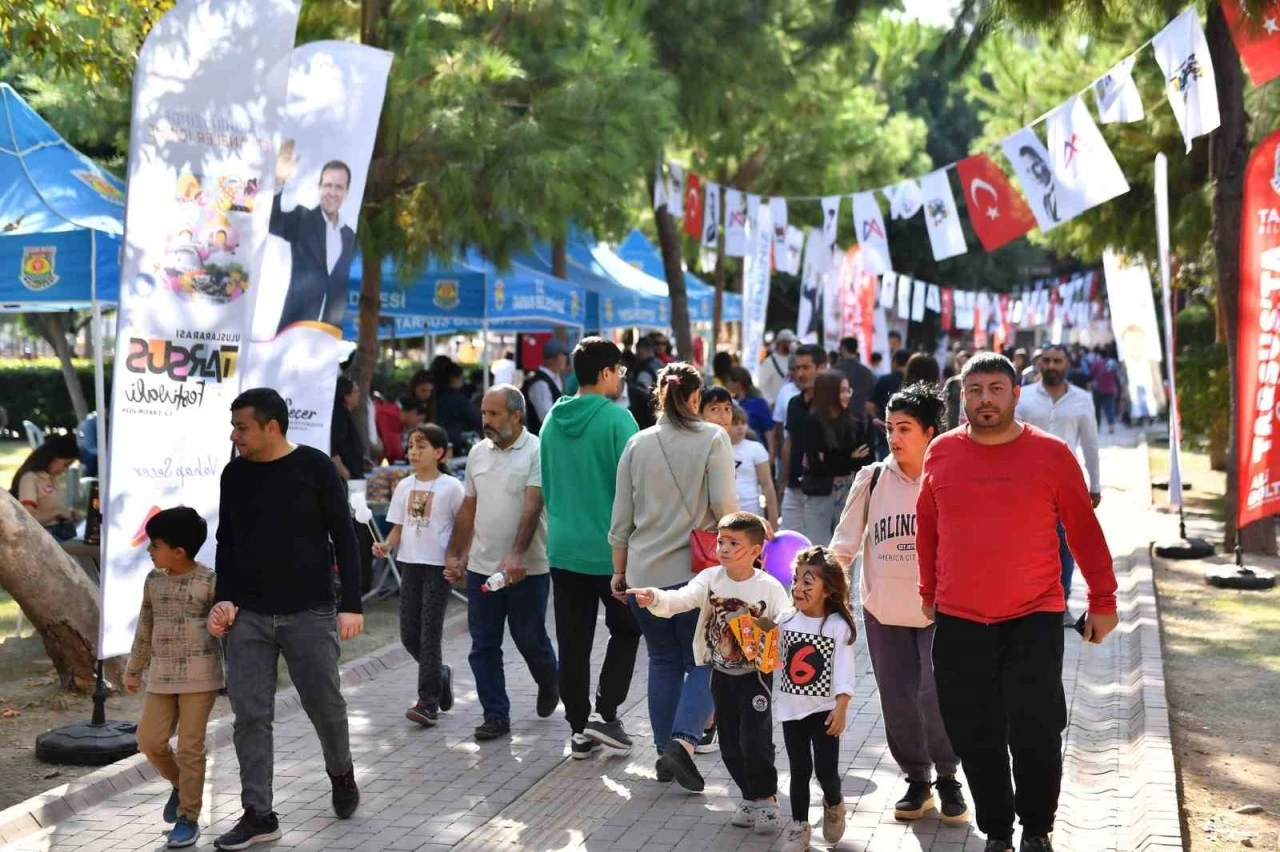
(1074,172)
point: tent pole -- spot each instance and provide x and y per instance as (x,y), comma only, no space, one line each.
(484,354)
(99,372)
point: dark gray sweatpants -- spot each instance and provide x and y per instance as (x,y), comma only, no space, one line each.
(902,661)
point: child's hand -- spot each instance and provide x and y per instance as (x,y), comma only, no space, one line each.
(836,720)
(132,683)
(221,617)
(452,569)
(381,549)
(644,597)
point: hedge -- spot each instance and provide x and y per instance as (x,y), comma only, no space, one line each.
(36,391)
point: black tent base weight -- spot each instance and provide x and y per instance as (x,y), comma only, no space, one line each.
(1185,548)
(97,742)
(1238,576)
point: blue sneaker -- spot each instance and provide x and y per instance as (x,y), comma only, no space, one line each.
(185,833)
(171,807)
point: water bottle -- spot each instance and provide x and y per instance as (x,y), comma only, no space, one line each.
(494,583)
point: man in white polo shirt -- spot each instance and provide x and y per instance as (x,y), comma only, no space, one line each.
(502,527)
(1065,411)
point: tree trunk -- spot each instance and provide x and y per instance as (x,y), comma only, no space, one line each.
(560,269)
(1229,153)
(54,593)
(53,329)
(669,243)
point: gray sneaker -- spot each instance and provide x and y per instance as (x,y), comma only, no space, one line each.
(610,733)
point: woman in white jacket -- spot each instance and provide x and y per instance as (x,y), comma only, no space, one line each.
(879,520)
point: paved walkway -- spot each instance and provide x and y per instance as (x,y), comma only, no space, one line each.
(436,790)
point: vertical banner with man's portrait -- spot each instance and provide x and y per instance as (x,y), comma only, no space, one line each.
(335,99)
(208,99)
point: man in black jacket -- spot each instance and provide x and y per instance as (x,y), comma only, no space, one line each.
(322,247)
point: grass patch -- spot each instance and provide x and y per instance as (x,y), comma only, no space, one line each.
(9,610)
(12,455)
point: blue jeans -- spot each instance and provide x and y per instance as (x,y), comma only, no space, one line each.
(679,689)
(1104,405)
(1068,562)
(522,606)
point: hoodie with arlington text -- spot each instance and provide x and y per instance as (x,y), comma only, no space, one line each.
(582,440)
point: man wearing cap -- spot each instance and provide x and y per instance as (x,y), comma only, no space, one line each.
(546,385)
(772,374)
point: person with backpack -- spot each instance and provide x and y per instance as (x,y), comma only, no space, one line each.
(879,522)
(546,384)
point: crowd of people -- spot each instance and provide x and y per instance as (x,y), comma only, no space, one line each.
(569,500)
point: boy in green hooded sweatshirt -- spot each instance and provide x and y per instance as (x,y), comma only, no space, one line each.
(582,440)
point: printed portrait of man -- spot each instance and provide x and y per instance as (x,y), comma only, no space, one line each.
(1043,175)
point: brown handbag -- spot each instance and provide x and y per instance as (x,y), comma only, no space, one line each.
(702,543)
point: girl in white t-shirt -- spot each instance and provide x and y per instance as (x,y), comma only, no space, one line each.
(816,657)
(751,467)
(422,511)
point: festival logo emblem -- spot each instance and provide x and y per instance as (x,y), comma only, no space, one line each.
(100,185)
(608,310)
(662,312)
(201,258)
(38,267)
(499,294)
(871,228)
(446,297)
(573,303)
(1185,75)
(937,209)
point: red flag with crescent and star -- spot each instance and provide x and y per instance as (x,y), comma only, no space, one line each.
(692,205)
(1257,38)
(997,212)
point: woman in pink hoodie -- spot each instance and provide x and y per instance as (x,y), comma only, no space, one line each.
(879,522)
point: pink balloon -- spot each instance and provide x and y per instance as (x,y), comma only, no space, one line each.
(780,555)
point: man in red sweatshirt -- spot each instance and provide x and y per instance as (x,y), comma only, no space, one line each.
(991,498)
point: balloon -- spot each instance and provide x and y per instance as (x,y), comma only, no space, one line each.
(780,555)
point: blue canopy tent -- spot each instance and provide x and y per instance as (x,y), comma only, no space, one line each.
(439,300)
(638,252)
(608,305)
(61,227)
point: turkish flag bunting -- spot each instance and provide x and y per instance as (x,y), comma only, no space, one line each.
(1257,39)
(948,308)
(692,205)
(997,212)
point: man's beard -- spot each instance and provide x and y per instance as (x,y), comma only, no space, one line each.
(1051,377)
(498,435)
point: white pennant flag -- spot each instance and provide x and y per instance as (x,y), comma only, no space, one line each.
(1030,162)
(778,215)
(675,190)
(869,225)
(933,298)
(707,259)
(917,301)
(795,248)
(905,199)
(1183,55)
(1084,169)
(888,290)
(711,217)
(1117,96)
(735,223)
(1015,311)
(659,188)
(941,217)
(816,258)
(830,220)
(904,296)
(964,310)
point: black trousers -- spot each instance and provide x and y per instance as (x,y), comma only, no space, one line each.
(577,600)
(1000,689)
(744,714)
(810,749)
(424,594)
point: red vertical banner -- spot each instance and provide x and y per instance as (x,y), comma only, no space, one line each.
(1258,338)
(692,205)
(948,308)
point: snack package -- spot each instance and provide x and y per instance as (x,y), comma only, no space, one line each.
(748,635)
(759,639)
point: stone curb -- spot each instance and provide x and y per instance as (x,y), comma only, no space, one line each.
(91,789)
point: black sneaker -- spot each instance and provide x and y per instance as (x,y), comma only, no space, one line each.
(951,801)
(422,715)
(708,742)
(916,802)
(446,689)
(492,729)
(581,747)
(171,807)
(251,830)
(664,774)
(1038,843)
(346,796)
(682,767)
(611,734)
(548,698)
(995,844)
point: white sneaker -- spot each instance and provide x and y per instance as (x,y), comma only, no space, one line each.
(744,816)
(796,837)
(768,819)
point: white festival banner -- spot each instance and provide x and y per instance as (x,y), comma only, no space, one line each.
(809,312)
(675,190)
(711,217)
(941,217)
(1030,162)
(1117,96)
(1183,56)
(778,216)
(905,199)
(868,223)
(755,286)
(1084,169)
(795,249)
(735,223)
(331,117)
(888,290)
(202,152)
(830,220)
(833,297)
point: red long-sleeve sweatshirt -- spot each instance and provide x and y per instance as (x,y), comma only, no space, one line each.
(987,528)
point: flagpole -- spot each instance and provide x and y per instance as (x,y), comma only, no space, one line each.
(1183,547)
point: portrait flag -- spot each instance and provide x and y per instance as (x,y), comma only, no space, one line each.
(735,223)
(833,298)
(778,217)
(997,211)
(940,216)
(693,205)
(659,188)
(336,89)
(675,190)
(795,249)
(1183,56)
(202,154)
(904,296)
(905,198)
(1085,171)
(1258,338)
(711,216)
(869,227)
(933,298)
(1117,96)
(812,287)
(917,300)
(830,220)
(1257,38)
(888,289)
